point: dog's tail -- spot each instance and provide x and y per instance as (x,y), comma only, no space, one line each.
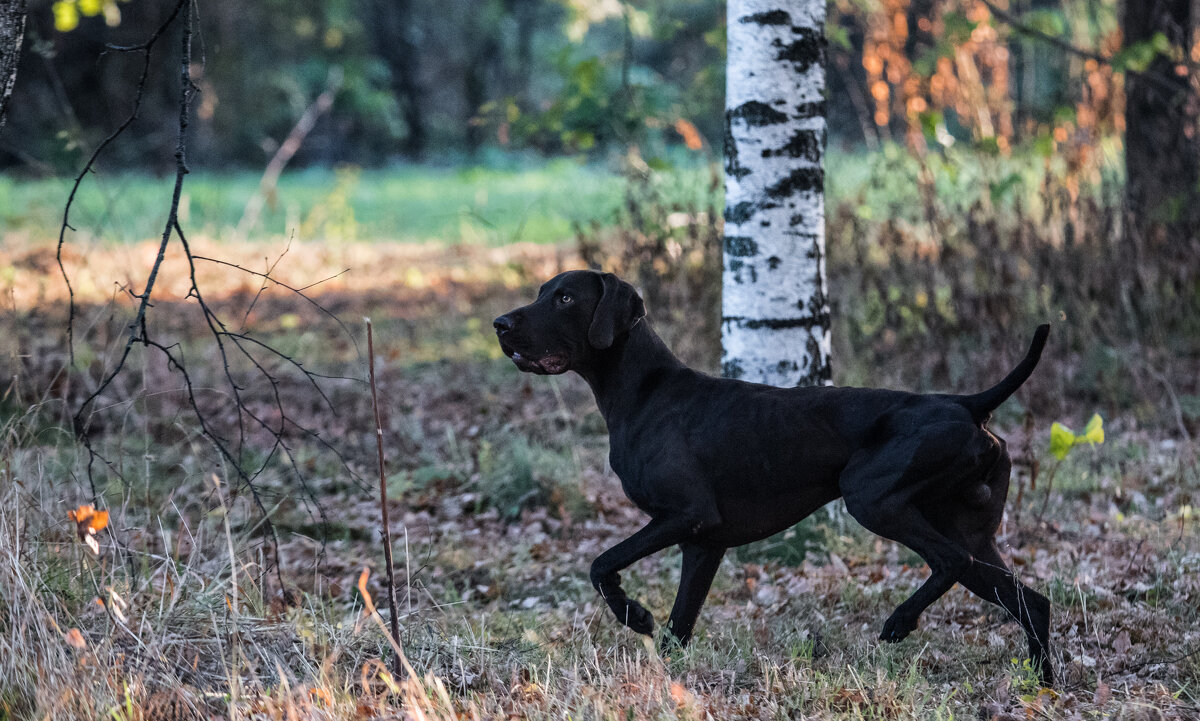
(980,405)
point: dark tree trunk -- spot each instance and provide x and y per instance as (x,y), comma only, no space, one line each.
(524,14)
(393,41)
(1162,124)
(475,83)
(12,33)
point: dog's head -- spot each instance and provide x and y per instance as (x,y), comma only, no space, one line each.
(576,314)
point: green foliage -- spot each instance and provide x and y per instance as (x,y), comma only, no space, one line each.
(789,547)
(1062,439)
(1049,21)
(1138,56)
(516,473)
(1025,680)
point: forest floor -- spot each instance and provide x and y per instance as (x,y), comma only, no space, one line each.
(194,607)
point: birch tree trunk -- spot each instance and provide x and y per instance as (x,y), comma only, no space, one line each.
(775,311)
(12,32)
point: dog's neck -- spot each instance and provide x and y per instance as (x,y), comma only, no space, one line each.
(618,371)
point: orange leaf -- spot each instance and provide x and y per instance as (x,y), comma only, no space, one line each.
(680,695)
(75,639)
(689,133)
(88,520)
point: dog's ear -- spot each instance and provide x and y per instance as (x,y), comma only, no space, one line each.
(620,307)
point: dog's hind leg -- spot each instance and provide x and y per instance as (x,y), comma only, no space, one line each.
(947,561)
(990,578)
(881,490)
(700,564)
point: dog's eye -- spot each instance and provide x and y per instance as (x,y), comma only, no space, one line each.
(564,298)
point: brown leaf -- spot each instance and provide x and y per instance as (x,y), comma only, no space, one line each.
(1103,693)
(75,639)
(1121,644)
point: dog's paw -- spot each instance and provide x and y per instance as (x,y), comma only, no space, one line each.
(897,628)
(637,617)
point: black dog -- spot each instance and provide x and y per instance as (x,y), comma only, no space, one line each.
(718,463)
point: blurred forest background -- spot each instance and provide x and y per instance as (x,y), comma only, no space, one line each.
(992,164)
(988,166)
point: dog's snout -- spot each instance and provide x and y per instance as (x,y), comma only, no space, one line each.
(503,324)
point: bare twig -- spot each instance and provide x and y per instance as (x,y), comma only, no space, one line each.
(1049,488)
(231,345)
(297,291)
(137,329)
(383,505)
(145,49)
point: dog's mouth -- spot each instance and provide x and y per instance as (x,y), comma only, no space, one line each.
(549,365)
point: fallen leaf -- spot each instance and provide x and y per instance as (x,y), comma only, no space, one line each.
(1103,693)
(1121,644)
(680,695)
(75,639)
(87,522)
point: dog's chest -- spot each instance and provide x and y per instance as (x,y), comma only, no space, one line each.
(631,481)
(644,478)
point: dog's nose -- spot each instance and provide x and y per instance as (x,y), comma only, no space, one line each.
(503,324)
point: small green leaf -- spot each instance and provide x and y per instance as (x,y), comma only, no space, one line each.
(1061,440)
(958,27)
(1004,188)
(838,36)
(1047,22)
(1094,431)
(1043,145)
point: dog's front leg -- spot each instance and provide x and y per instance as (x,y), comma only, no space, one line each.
(656,535)
(699,567)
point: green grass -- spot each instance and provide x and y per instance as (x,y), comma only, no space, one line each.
(409,203)
(504,202)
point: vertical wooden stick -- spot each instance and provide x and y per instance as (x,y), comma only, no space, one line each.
(383,505)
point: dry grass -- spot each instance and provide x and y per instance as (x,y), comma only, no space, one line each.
(499,620)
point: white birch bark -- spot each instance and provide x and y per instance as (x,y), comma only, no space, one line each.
(775,311)
(12,32)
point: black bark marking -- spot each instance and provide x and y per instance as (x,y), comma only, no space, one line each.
(736,267)
(810,110)
(733,168)
(774,262)
(740,246)
(819,302)
(799,180)
(756,114)
(820,371)
(818,320)
(771,17)
(805,51)
(732,369)
(805,144)
(740,213)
